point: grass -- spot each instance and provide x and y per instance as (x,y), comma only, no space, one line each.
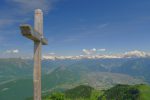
(145,92)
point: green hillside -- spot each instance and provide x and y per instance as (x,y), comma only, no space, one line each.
(119,92)
(127,92)
(81,92)
(145,92)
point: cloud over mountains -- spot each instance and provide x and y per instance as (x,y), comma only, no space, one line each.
(93,51)
(12,51)
(130,54)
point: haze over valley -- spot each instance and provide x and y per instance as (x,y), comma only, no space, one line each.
(63,74)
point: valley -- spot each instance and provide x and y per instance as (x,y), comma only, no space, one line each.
(61,75)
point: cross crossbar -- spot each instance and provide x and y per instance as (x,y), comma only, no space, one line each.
(28,32)
(44,41)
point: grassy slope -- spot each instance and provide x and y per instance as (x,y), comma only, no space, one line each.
(119,92)
(145,92)
(127,92)
(78,93)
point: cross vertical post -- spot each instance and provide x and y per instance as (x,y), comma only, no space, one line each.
(38,27)
(36,36)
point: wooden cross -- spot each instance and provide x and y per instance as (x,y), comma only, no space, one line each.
(36,36)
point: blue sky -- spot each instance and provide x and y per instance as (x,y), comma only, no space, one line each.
(74,25)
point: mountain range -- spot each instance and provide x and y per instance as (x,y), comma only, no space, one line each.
(92,54)
(16,74)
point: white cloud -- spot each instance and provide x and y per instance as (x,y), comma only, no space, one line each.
(12,51)
(86,51)
(15,51)
(52,53)
(135,53)
(92,51)
(102,50)
(89,52)
(48,57)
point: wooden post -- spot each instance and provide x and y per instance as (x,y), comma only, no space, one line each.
(38,27)
(38,21)
(36,36)
(37,71)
